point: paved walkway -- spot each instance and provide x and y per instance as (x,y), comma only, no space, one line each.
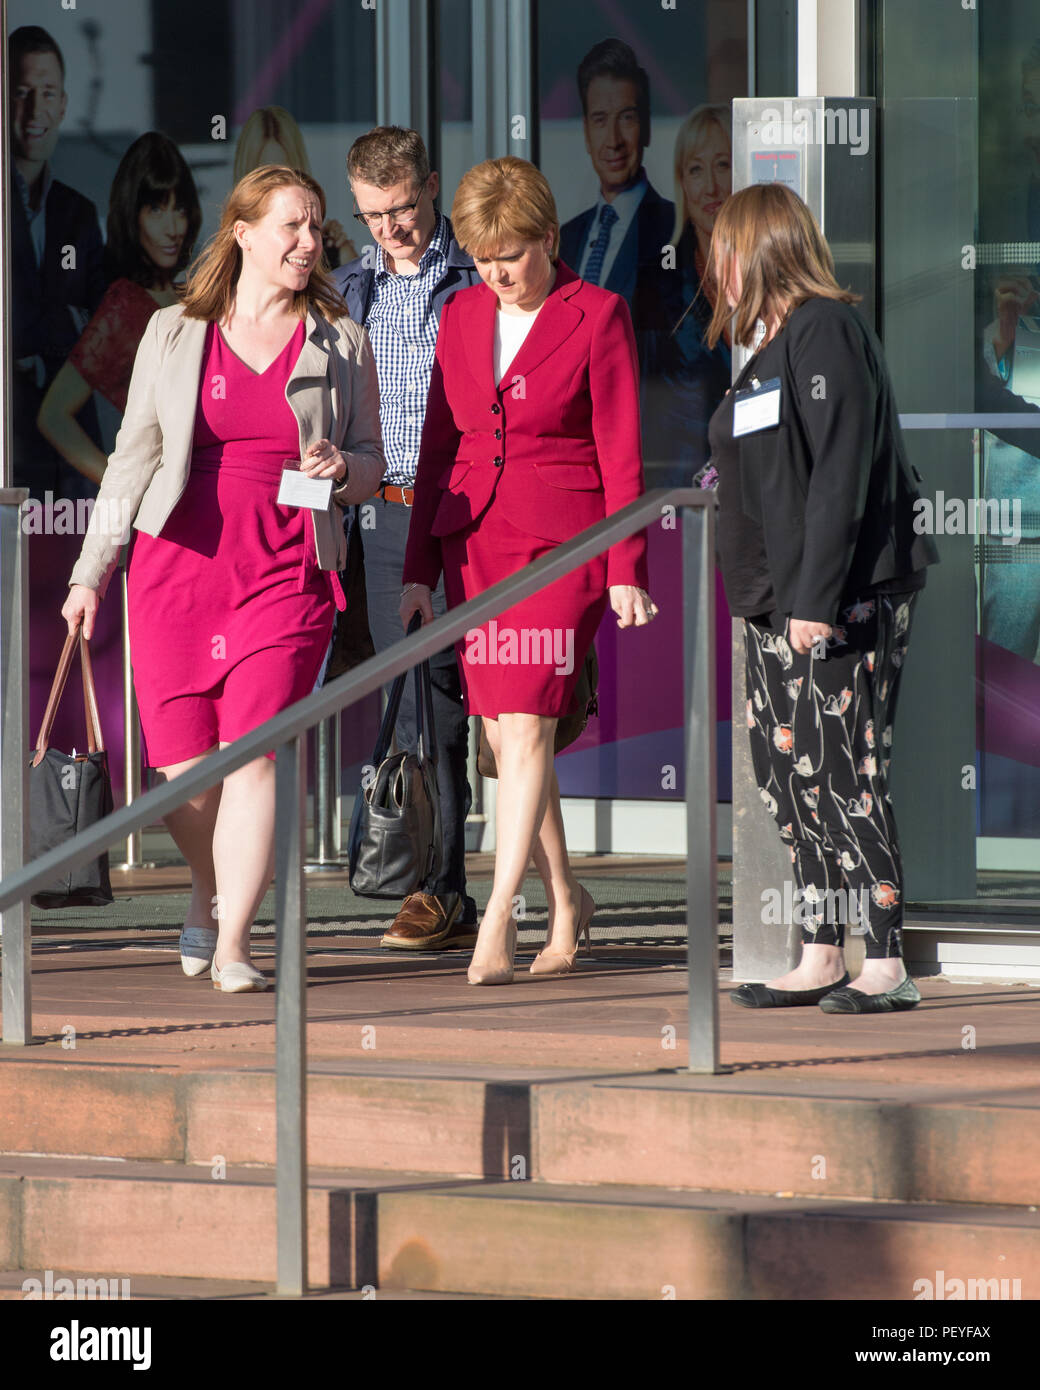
(113,976)
(624,1010)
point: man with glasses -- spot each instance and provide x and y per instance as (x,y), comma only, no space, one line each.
(397,290)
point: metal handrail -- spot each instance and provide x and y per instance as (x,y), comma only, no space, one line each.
(345,690)
(285,732)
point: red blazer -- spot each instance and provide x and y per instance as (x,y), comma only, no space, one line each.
(556,445)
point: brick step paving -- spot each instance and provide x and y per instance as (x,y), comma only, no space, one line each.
(536,1140)
(511,1239)
(665,1130)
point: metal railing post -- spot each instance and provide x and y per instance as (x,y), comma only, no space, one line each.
(291,1015)
(16,920)
(337,786)
(325,800)
(702,925)
(131,741)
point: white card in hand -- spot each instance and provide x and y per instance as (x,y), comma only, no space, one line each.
(297,490)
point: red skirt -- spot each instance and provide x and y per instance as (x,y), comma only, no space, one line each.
(527,660)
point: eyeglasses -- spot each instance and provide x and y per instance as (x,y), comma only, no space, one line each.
(405,215)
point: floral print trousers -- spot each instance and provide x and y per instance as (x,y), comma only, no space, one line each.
(820,726)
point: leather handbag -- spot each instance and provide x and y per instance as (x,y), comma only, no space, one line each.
(70,791)
(395,844)
(569,727)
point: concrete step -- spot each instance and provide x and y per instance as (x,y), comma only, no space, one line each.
(624,1243)
(17,1285)
(119,1220)
(663,1130)
(145,1222)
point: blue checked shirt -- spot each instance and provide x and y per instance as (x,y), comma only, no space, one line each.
(403,328)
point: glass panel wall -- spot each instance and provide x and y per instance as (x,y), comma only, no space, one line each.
(960,269)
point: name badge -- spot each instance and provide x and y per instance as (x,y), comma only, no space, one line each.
(298,490)
(757,407)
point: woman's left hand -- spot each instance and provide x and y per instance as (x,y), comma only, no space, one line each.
(324,460)
(634,607)
(802,635)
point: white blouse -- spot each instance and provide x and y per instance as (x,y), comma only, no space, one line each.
(510,332)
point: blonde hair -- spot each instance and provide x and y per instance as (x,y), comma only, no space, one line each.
(783,258)
(210,287)
(267,124)
(693,132)
(500,201)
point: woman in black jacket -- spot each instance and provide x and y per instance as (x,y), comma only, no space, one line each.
(820,558)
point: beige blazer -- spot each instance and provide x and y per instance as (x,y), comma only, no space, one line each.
(333,391)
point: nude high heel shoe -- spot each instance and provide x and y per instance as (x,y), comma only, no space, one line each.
(562,962)
(502,976)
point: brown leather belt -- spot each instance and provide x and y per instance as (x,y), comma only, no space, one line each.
(397,494)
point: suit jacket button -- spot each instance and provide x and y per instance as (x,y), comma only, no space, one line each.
(498,434)
(496,409)
(498,461)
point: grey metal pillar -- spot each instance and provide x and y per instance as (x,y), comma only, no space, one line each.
(505,112)
(336,756)
(326,819)
(14,646)
(702,925)
(16,921)
(408,70)
(131,741)
(291,1015)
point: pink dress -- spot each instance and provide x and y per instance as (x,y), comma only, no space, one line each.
(230,614)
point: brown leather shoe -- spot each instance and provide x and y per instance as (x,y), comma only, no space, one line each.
(428,923)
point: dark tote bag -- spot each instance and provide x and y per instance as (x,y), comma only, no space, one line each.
(394,845)
(69,793)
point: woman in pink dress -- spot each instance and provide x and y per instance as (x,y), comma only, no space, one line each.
(232,594)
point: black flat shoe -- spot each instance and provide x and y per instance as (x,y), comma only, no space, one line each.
(854,1001)
(762,997)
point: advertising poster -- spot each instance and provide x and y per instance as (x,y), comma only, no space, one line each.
(635,141)
(130,123)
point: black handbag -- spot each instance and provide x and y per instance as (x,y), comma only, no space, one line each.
(394,844)
(68,793)
(568,727)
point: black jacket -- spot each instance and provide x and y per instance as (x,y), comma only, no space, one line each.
(830,487)
(649,231)
(43,327)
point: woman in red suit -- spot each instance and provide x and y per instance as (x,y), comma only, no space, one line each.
(531,435)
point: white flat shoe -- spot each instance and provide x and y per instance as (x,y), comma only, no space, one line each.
(238,978)
(197,947)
